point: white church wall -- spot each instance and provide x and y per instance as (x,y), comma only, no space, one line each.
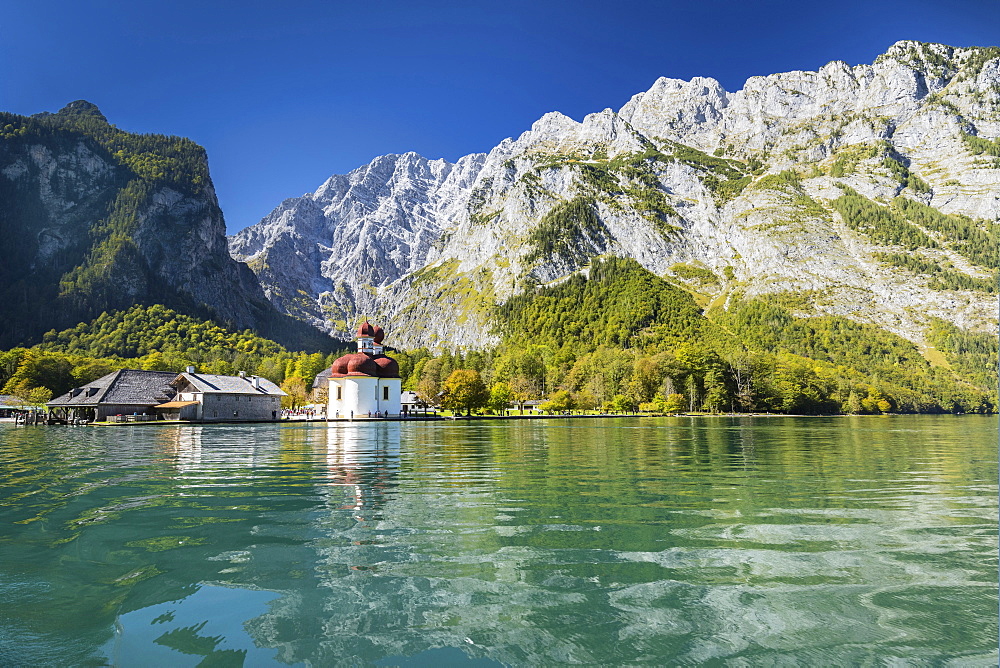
(388,393)
(364,395)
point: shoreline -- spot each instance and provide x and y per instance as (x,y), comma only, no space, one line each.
(482,418)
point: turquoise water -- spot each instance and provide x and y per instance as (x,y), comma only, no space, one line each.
(678,541)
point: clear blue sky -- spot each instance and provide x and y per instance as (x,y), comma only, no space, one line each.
(284,94)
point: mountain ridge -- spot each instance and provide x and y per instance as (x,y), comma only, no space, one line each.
(686,178)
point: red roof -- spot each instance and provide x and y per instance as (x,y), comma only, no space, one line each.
(387,367)
(366,329)
(354,364)
(363,364)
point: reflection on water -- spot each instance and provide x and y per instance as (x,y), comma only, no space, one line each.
(747,541)
(363,461)
(204,628)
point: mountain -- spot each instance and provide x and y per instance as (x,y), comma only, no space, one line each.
(96,219)
(870,192)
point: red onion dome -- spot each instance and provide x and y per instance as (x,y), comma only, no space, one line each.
(379,334)
(366,329)
(354,364)
(387,367)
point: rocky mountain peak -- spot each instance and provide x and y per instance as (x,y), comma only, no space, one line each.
(730,194)
(82,109)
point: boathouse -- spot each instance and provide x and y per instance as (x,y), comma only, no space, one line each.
(11,405)
(127,392)
(365,383)
(212,398)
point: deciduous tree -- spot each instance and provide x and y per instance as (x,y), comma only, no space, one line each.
(464,390)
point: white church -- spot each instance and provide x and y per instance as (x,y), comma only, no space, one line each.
(365,383)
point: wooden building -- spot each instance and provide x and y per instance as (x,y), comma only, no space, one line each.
(10,405)
(127,392)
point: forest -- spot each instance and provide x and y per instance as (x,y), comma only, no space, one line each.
(153,338)
(618,339)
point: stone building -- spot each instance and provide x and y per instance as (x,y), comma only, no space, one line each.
(365,383)
(209,397)
(320,386)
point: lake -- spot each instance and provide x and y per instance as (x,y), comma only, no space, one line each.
(679,541)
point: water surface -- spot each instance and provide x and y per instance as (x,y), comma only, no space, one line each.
(726,541)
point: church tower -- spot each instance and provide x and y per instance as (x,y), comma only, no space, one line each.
(366,382)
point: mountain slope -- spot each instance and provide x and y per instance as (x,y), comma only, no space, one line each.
(96,219)
(869,192)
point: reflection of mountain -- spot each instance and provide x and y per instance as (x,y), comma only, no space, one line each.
(207,624)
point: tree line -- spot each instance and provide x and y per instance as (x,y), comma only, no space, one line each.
(624,339)
(619,339)
(153,338)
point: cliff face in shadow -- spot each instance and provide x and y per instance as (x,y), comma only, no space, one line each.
(95,219)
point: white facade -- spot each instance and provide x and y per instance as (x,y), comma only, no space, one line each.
(361,396)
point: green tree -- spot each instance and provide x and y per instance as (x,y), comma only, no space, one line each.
(307,366)
(37,396)
(154,362)
(852,406)
(91,369)
(621,404)
(428,387)
(9,362)
(646,378)
(464,390)
(51,370)
(674,403)
(585,400)
(501,396)
(295,389)
(560,402)
(717,395)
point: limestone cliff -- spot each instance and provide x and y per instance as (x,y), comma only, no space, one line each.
(870,191)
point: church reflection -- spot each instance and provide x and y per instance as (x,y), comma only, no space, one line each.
(364,461)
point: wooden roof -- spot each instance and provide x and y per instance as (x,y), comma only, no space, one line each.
(129,387)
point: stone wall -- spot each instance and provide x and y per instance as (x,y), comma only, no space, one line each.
(239,407)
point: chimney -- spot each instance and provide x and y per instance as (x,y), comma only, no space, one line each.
(256,382)
(243,374)
(190,369)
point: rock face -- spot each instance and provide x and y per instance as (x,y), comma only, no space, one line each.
(96,219)
(756,192)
